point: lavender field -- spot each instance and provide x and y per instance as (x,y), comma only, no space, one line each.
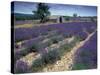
(38,47)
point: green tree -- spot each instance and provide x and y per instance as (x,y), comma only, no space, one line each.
(42,12)
(75,15)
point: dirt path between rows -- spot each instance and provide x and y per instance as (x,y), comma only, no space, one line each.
(67,60)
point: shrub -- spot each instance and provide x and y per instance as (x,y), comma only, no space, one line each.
(44,33)
(18,55)
(47,58)
(33,48)
(21,67)
(37,64)
(68,46)
(55,41)
(21,53)
(65,48)
(82,36)
(67,35)
(50,29)
(49,43)
(51,56)
(90,30)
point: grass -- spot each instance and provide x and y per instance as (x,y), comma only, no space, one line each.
(80,66)
(24,26)
(28,25)
(33,24)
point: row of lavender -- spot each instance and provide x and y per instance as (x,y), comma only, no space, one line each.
(53,54)
(39,34)
(86,57)
(47,32)
(67,29)
(37,44)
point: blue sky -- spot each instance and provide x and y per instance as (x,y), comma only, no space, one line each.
(56,9)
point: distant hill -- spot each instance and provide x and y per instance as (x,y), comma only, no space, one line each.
(20,16)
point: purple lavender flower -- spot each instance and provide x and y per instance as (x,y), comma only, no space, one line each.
(21,67)
(87,55)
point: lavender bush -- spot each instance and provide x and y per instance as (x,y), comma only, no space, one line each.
(21,67)
(18,54)
(37,65)
(82,35)
(86,57)
(51,56)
